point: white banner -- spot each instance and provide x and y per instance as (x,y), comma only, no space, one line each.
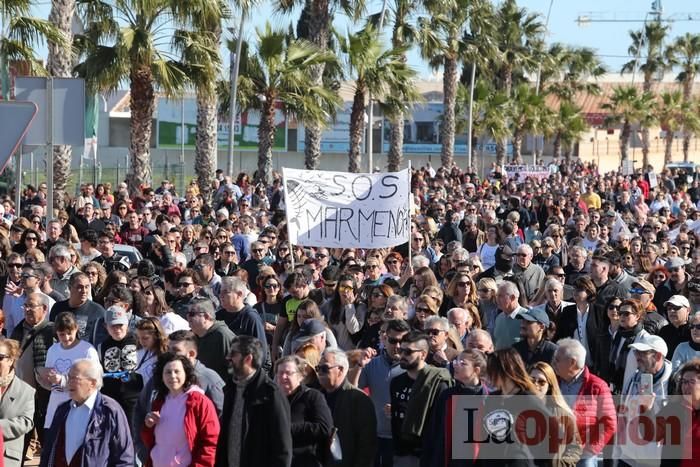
(347,210)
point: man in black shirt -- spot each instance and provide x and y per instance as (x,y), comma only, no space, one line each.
(110,260)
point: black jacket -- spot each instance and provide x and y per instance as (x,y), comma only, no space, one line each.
(544,352)
(311,427)
(266,438)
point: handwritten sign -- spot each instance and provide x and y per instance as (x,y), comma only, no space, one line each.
(339,209)
(523,172)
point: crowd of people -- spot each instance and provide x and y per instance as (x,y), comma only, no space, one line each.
(161,328)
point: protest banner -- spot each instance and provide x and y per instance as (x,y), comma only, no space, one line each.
(523,172)
(347,210)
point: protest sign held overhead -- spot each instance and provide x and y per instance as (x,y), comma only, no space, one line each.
(339,209)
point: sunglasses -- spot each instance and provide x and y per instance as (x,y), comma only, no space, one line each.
(271,286)
(614,307)
(325,368)
(398,340)
(694,327)
(423,310)
(404,351)
(463,284)
(433,332)
(628,313)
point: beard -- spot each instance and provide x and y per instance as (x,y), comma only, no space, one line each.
(409,365)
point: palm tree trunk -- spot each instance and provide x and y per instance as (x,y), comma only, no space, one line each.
(517,145)
(395,156)
(502,143)
(266,136)
(357,128)
(141,127)
(447,132)
(319,20)
(500,152)
(624,140)
(556,145)
(645,146)
(668,148)
(60,65)
(687,97)
(205,161)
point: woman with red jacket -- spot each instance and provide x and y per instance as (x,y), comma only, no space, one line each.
(180,403)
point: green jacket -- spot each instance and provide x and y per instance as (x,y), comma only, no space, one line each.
(431,380)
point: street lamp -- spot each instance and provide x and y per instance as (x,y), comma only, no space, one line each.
(235,65)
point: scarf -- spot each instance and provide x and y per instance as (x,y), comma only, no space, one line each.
(617,363)
(694,345)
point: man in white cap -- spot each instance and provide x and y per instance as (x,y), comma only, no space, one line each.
(677,309)
(644,394)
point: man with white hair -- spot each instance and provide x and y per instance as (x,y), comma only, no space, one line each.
(480,339)
(554,302)
(529,274)
(589,398)
(352,410)
(60,260)
(506,330)
(440,354)
(458,319)
(79,431)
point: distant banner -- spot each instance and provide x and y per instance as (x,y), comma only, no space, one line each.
(347,210)
(523,172)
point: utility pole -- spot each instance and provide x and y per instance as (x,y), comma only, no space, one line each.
(370,110)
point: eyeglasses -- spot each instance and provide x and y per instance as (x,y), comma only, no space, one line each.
(670,307)
(394,340)
(694,327)
(31,306)
(434,332)
(229,252)
(345,288)
(463,284)
(423,310)
(192,314)
(257,250)
(17,265)
(483,290)
(371,266)
(34,239)
(405,351)
(521,255)
(674,269)
(614,307)
(417,239)
(540,382)
(3,357)
(27,275)
(377,294)
(325,368)
(628,313)
(271,286)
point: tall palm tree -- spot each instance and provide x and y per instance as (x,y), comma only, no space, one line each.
(648,41)
(375,70)
(568,126)
(528,110)
(517,34)
(20,34)
(131,39)
(684,53)
(60,65)
(490,105)
(404,33)
(278,74)
(445,39)
(200,49)
(670,113)
(627,106)
(318,17)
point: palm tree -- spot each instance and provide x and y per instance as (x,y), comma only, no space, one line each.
(318,19)
(568,126)
(626,106)
(139,32)
(201,54)
(517,34)
(20,35)
(444,40)
(278,74)
(403,34)
(684,53)
(490,105)
(648,40)
(60,65)
(528,108)
(670,113)
(376,70)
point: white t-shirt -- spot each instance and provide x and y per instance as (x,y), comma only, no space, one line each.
(61,360)
(487,255)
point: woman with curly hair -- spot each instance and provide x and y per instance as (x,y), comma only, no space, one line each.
(97,275)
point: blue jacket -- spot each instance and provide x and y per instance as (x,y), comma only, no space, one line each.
(108,440)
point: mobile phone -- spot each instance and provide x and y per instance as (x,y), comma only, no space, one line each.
(646,384)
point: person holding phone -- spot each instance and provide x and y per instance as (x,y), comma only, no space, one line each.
(645,394)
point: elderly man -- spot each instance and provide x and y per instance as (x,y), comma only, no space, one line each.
(589,398)
(576,267)
(13,305)
(239,317)
(256,421)
(677,330)
(675,285)
(458,320)
(90,429)
(60,259)
(352,410)
(258,253)
(311,331)
(440,354)
(506,330)
(480,339)
(529,274)
(554,304)
(205,265)
(35,335)
(214,338)
(645,393)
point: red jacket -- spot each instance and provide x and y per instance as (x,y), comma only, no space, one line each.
(596,418)
(201,428)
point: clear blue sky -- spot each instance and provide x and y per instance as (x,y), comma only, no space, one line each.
(609,39)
